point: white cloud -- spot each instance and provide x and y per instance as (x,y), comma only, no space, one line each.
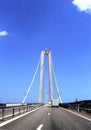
(83,5)
(3,33)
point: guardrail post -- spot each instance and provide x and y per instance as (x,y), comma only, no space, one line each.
(23,109)
(27,108)
(3,114)
(13,111)
(19,111)
(78,108)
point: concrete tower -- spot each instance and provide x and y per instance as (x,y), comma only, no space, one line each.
(43,53)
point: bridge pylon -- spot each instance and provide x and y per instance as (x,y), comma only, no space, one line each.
(51,77)
(43,53)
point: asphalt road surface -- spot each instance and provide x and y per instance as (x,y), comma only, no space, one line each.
(48,118)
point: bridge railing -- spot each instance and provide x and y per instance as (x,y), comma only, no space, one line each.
(82,106)
(8,112)
(87,110)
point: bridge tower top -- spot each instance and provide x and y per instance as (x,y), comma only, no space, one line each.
(46,52)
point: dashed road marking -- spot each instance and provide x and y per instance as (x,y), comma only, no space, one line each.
(40,127)
(49,113)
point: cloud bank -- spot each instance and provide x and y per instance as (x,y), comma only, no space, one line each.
(83,5)
(3,33)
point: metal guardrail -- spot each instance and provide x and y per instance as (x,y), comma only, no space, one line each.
(87,110)
(76,107)
(8,112)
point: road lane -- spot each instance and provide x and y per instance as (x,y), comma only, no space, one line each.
(51,119)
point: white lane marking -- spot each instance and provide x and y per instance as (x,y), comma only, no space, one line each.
(78,114)
(15,118)
(48,114)
(40,127)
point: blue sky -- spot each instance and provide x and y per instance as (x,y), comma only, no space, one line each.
(27,27)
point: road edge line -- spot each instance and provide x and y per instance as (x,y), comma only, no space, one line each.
(15,118)
(77,114)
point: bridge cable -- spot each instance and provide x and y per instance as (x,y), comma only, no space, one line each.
(31,83)
(56,84)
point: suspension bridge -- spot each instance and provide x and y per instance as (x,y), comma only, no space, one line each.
(53,86)
(43,117)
